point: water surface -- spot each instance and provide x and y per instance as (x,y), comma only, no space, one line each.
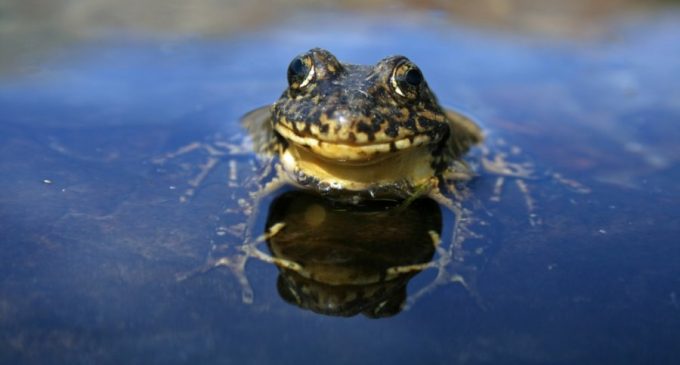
(93,232)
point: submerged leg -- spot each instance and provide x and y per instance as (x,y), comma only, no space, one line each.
(237,263)
(447,272)
(216,151)
(449,257)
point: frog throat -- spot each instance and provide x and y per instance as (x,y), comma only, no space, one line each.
(408,168)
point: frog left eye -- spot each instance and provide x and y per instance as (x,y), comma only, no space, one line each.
(300,72)
(406,79)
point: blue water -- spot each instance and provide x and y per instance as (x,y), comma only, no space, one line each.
(92,233)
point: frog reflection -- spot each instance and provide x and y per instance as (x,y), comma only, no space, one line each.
(342,260)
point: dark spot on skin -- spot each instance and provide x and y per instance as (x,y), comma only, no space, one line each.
(438,130)
(307,130)
(365,128)
(426,123)
(328,112)
(377,122)
(410,124)
(379,92)
(323,128)
(439,164)
(392,129)
(281,140)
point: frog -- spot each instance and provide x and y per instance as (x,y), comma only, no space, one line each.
(357,132)
(352,134)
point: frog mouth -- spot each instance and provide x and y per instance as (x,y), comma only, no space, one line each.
(352,152)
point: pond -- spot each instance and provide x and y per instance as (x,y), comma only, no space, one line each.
(577,262)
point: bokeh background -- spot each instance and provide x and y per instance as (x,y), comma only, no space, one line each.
(38,27)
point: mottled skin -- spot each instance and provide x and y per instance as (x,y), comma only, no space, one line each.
(361,131)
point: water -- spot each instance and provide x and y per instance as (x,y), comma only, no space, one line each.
(93,234)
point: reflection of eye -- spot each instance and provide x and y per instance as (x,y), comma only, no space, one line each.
(300,72)
(406,79)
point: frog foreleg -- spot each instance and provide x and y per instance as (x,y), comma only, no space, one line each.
(534,219)
(237,263)
(497,189)
(215,151)
(448,269)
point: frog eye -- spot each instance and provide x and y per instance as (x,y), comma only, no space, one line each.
(300,72)
(414,77)
(406,79)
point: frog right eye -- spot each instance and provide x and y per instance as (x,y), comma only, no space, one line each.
(300,72)
(406,79)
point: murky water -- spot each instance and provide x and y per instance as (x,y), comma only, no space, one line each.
(93,234)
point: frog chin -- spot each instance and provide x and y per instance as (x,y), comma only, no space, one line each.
(406,168)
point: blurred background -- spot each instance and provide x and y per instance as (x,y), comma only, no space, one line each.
(39,27)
